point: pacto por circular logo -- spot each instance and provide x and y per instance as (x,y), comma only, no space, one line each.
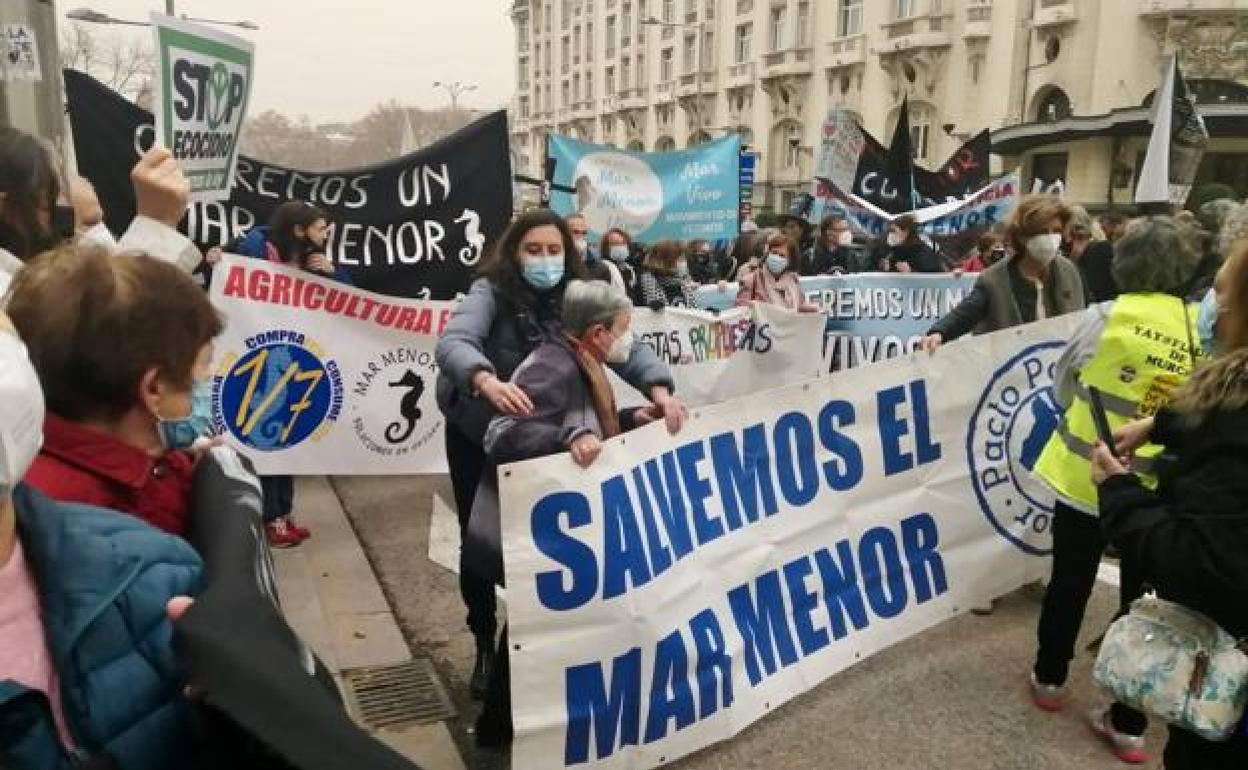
(281,392)
(1014,419)
(219,95)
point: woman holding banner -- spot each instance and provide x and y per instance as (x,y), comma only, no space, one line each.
(665,279)
(1034,281)
(509,311)
(1189,538)
(775,281)
(1136,350)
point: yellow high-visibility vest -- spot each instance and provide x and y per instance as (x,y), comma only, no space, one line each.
(1144,354)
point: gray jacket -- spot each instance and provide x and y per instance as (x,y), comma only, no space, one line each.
(1002,298)
(493,334)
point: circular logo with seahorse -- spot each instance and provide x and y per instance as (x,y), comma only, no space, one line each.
(281,392)
(393,411)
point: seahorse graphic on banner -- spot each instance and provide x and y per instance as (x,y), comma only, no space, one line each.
(471,254)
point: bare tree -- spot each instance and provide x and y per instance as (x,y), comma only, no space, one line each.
(126,66)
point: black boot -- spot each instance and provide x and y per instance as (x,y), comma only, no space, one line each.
(483,668)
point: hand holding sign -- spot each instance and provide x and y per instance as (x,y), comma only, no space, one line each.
(161,191)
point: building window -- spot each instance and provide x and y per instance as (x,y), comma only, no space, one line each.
(920,130)
(665,65)
(1049,169)
(549,69)
(610,36)
(548,14)
(589,86)
(904,8)
(576,44)
(567,13)
(641,71)
(566,59)
(610,82)
(626,71)
(524,37)
(803,24)
(1054,106)
(793,147)
(741,43)
(524,106)
(641,21)
(563,95)
(691,48)
(849,21)
(589,42)
(626,23)
(669,11)
(576,88)
(776,37)
(708,49)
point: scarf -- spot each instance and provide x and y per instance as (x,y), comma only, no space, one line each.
(599,388)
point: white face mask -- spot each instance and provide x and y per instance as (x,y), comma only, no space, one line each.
(99,235)
(21,412)
(845,238)
(582,246)
(620,348)
(1043,248)
(894,239)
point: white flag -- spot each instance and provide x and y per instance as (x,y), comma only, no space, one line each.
(1176,145)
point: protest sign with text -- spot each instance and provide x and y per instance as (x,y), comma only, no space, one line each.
(201,89)
(684,194)
(313,376)
(684,586)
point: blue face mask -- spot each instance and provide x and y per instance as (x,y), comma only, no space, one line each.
(1207,320)
(777,263)
(618,253)
(181,432)
(543,273)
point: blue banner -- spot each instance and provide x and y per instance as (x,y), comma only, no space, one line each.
(871,316)
(686,195)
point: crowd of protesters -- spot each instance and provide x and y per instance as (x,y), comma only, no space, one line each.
(106,410)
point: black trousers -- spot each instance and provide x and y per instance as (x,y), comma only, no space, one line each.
(1078,545)
(467,462)
(279,496)
(1188,751)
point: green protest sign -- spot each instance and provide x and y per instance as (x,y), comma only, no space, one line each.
(203,85)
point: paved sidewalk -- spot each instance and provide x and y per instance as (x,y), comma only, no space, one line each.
(332,599)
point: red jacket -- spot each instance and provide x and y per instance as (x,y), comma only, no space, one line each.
(78,464)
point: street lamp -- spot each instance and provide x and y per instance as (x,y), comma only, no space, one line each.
(95,17)
(700,26)
(454,90)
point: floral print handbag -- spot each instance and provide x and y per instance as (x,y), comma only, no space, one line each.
(1178,664)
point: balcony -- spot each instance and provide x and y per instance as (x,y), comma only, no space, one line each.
(978,22)
(1188,7)
(583,109)
(1053,13)
(847,52)
(744,7)
(633,98)
(691,17)
(741,75)
(668,33)
(915,33)
(519,125)
(564,113)
(665,91)
(794,61)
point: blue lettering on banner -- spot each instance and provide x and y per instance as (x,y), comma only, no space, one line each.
(780,616)
(659,511)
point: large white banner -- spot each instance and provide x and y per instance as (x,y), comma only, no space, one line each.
(715,357)
(313,376)
(683,587)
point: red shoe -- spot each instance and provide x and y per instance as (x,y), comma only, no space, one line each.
(281,536)
(302,532)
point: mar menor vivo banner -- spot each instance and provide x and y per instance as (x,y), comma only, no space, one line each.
(416,226)
(685,195)
(684,586)
(313,376)
(717,357)
(202,86)
(870,316)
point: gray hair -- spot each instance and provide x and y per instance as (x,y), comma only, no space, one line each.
(586,303)
(1155,254)
(1234,229)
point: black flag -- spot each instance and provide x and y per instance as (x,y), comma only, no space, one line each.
(416,226)
(900,163)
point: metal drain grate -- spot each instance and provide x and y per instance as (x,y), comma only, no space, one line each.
(397,695)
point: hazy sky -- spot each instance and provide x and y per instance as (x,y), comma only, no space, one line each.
(333,59)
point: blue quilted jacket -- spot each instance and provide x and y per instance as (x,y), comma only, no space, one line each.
(104,579)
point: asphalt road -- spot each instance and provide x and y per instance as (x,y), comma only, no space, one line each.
(953,698)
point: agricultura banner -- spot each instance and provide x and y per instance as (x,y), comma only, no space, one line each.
(684,586)
(313,376)
(685,195)
(200,93)
(416,226)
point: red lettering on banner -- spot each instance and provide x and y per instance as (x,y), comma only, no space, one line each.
(407,317)
(425,323)
(443,317)
(369,306)
(281,289)
(258,287)
(337,299)
(313,296)
(236,282)
(350,311)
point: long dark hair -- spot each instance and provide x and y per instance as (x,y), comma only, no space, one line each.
(502,267)
(286,217)
(28,176)
(909,224)
(604,248)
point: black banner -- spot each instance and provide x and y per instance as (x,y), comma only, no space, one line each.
(412,227)
(881,178)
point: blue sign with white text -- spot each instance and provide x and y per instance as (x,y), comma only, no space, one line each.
(684,195)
